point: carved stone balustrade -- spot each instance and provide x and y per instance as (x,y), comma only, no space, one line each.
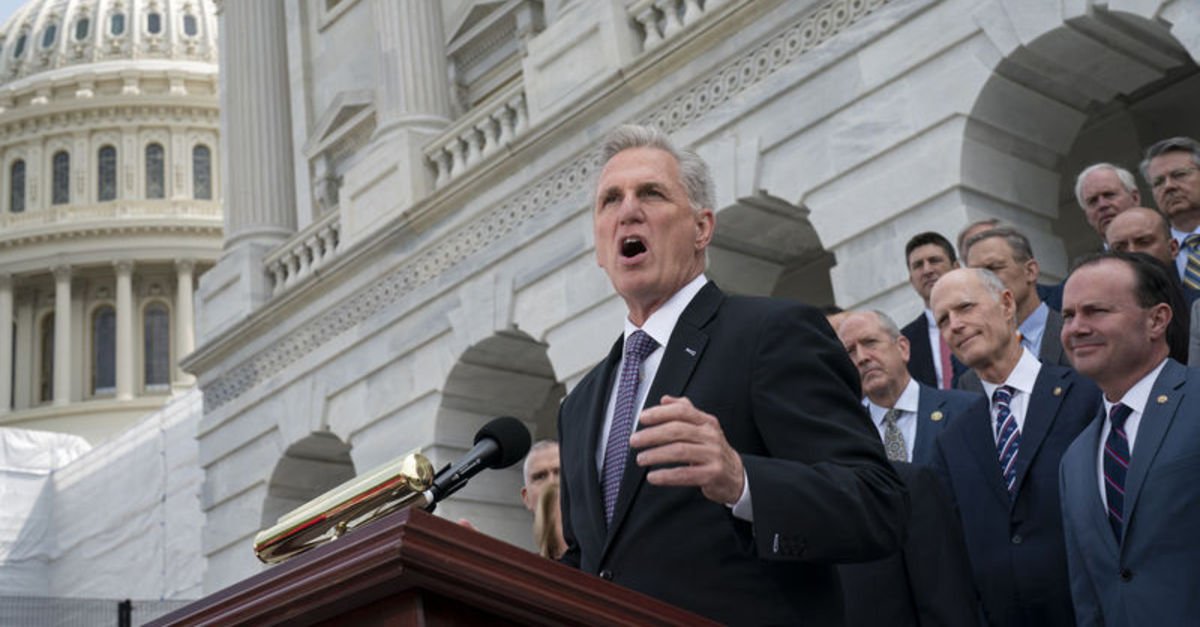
(304,254)
(478,135)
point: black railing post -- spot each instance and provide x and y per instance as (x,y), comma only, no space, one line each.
(125,613)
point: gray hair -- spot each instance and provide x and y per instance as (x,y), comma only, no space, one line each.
(537,446)
(1173,144)
(962,247)
(1022,250)
(693,171)
(1123,175)
(989,280)
(887,324)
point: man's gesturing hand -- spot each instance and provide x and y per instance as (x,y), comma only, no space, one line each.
(675,432)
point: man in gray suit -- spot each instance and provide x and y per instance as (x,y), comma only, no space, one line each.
(1130,499)
(1007,253)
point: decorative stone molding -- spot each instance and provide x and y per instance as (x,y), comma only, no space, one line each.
(552,191)
(478,135)
(303,254)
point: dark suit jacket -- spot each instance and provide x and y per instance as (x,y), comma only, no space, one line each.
(948,405)
(787,398)
(1051,353)
(929,581)
(1051,295)
(1153,576)
(1016,544)
(921,355)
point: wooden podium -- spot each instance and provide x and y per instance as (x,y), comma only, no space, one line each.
(414,569)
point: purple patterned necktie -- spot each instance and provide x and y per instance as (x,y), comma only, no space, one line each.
(1116,464)
(1008,437)
(637,346)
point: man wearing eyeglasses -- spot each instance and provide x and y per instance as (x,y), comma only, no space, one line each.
(1172,167)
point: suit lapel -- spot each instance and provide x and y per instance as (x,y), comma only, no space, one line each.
(1084,475)
(598,401)
(682,352)
(981,445)
(1156,420)
(1051,351)
(1048,393)
(927,428)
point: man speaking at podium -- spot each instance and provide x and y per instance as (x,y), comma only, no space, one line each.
(752,466)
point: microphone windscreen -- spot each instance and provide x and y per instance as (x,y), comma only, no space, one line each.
(510,435)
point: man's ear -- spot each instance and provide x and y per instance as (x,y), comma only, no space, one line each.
(1159,320)
(706,224)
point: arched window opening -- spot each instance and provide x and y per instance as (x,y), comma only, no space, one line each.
(155,172)
(116,24)
(20,47)
(190,27)
(46,343)
(104,350)
(16,187)
(82,26)
(106,171)
(157,346)
(61,192)
(202,173)
(49,35)
(154,23)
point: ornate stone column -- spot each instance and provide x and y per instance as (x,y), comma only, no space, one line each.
(257,125)
(6,343)
(414,87)
(185,327)
(25,348)
(62,334)
(125,330)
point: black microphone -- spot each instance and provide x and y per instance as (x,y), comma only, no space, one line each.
(500,443)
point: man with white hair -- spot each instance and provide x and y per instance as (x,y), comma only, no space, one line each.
(1002,469)
(1103,190)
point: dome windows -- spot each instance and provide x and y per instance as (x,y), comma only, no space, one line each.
(60,193)
(155,172)
(49,35)
(106,174)
(116,24)
(156,346)
(16,187)
(19,49)
(191,27)
(82,27)
(154,23)
(202,172)
(104,350)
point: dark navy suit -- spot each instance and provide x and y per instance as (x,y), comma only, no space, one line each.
(1153,576)
(1016,544)
(936,409)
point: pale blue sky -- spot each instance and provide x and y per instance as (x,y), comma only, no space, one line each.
(8,7)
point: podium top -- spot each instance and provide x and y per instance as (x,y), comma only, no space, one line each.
(411,552)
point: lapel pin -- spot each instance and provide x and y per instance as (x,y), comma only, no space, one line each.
(690,351)
(1058,391)
(936,416)
(1162,398)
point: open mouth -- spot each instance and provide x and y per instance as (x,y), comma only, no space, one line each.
(632,247)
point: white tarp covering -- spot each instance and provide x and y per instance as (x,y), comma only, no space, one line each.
(27,459)
(121,521)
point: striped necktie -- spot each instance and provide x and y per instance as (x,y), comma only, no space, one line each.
(1191,269)
(1116,464)
(1008,437)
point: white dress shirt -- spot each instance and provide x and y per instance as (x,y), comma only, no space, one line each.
(907,405)
(1182,258)
(660,325)
(1135,399)
(1034,328)
(935,339)
(1021,379)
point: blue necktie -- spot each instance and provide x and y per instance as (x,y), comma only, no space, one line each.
(1008,437)
(1191,269)
(637,347)
(1116,464)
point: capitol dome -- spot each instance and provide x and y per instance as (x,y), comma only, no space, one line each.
(109,187)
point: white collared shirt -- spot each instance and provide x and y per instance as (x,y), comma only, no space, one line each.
(935,346)
(1021,379)
(907,405)
(1033,329)
(1135,399)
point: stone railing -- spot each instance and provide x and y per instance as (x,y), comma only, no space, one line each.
(661,20)
(14,223)
(304,253)
(478,135)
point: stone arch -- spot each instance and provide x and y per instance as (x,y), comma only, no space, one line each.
(766,246)
(508,373)
(308,469)
(1066,91)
